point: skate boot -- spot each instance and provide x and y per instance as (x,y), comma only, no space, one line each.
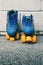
(12,25)
(28,29)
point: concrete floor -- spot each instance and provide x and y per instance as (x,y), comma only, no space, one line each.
(16,53)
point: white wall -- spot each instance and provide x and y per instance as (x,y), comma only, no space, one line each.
(20,4)
(41,4)
(3,20)
(32,6)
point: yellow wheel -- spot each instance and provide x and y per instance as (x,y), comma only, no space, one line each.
(28,39)
(12,39)
(17,36)
(34,39)
(7,37)
(23,38)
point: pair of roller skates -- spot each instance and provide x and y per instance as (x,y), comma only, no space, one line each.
(13,27)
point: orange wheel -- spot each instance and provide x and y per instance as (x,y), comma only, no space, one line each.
(12,39)
(28,39)
(17,36)
(7,37)
(34,39)
(23,38)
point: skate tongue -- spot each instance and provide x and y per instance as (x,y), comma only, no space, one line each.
(12,15)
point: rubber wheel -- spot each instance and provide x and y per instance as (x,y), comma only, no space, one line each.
(23,38)
(34,39)
(12,39)
(17,36)
(28,39)
(7,37)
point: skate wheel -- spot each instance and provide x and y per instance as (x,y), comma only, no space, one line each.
(12,39)
(23,38)
(7,37)
(28,39)
(17,36)
(34,39)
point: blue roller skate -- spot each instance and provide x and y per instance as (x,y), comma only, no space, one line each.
(28,29)
(12,25)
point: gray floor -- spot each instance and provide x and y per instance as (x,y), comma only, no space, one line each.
(16,53)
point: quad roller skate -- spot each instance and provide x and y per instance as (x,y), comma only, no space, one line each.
(12,25)
(28,29)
